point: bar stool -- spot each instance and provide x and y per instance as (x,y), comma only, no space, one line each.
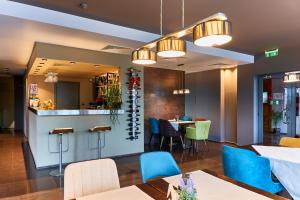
(60,132)
(99,130)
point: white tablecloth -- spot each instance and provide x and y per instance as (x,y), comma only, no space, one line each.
(176,124)
(285,164)
(126,193)
(210,187)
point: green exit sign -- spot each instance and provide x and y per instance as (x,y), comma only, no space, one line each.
(271,53)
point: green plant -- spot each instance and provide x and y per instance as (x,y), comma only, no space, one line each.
(113,102)
(276,117)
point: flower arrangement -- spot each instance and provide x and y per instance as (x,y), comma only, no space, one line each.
(186,189)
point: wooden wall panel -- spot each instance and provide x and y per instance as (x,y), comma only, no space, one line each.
(159,101)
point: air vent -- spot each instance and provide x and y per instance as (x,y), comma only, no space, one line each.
(113,47)
(219,64)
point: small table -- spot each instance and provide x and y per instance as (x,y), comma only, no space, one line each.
(209,187)
(285,165)
(178,123)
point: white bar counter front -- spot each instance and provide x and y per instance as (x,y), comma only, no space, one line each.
(80,145)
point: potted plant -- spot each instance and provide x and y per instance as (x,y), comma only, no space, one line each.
(276,117)
(113,102)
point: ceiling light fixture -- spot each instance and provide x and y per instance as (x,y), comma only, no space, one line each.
(171,47)
(143,56)
(212,33)
(291,77)
(214,30)
(51,77)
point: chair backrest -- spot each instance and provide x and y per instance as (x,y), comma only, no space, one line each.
(154,125)
(247,167)
(185,118)
(200,119)
(290,142)
(90,177)
(202,129)
(157,164)
(166,128)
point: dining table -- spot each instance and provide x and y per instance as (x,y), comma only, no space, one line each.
(177,123)
(285,165)
(209,186)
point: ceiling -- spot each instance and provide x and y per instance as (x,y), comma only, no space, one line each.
(19,36)
(257,24)
(69,68)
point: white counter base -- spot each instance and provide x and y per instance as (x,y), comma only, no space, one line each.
(80,145)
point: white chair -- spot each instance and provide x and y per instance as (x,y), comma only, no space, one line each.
(90,177)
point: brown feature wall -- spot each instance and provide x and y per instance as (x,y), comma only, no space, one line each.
(159,101)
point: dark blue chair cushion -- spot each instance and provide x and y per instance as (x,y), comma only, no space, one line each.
(154,125)
(185,118)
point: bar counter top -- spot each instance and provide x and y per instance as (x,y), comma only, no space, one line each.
(71,112)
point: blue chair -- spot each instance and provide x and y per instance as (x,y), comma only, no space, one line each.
(154,128)
(247,167)
(157,164)
(185,118)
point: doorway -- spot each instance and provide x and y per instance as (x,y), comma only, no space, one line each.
(7,107)
(67,95)
(278,109)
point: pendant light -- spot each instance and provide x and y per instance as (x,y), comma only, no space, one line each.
(175,92)
(212,33)
(171,47)
(51,77)
(214,30)
(291,77)
(181,90)
(143,56)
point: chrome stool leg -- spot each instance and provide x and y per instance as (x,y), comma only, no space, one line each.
(59,171)
(99,145)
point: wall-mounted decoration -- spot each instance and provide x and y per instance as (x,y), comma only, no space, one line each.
(134,85)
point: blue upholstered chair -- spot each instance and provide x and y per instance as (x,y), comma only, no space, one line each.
(247,167)
(185,118)
(154,128)
(157,164)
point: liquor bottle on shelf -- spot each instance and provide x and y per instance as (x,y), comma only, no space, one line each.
(134,106)
(133,119)
(134,115)
(133,124)
(133,110)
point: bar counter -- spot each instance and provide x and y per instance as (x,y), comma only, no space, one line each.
(72,112)
(80,145)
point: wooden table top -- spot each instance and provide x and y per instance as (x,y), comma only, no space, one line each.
(158,189)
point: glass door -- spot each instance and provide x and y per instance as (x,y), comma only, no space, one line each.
(291,117)
(297,96)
